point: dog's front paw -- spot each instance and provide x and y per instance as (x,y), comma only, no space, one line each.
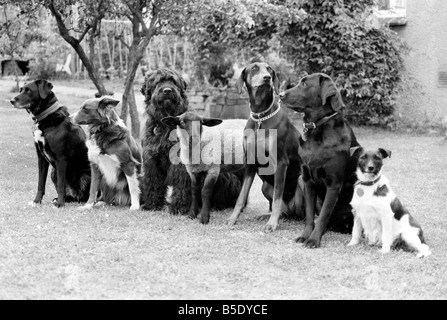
(192,215)
(312,243)
(134,207)
(300,240)
(385,250)
(425,252)
(204,219)
(58,203)
(353,242)
(270,227)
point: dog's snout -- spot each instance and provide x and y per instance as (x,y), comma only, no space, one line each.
(167,90)
(13,101)
(267,77)
(371,168)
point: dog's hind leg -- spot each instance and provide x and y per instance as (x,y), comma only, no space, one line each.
(249,176)
(411,237)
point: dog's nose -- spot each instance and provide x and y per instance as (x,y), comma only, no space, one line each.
(370,168)
(167,90)
(12,101)
(267,78)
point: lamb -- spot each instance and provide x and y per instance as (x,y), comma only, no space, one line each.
(206,150)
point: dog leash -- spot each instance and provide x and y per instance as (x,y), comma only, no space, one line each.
(312,125)
(271,115)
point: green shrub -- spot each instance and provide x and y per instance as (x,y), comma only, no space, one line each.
(365,62)
(333,37)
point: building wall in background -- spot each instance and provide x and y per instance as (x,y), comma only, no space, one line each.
(425,87)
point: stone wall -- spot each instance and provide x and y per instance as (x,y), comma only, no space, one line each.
(219,103)
(424,96)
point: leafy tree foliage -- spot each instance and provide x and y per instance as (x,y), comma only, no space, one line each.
(334,37)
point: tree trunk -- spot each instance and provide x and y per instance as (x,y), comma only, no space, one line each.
(129,105)
(76,45)
(121,68)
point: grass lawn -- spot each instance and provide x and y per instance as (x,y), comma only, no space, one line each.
(48,253)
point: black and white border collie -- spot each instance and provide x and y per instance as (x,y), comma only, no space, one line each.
(377,210)
(114,155)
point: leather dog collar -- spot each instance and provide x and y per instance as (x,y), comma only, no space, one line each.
(53,108)
(313,125)
(369,183)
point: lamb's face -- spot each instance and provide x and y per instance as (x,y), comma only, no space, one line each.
(189,128)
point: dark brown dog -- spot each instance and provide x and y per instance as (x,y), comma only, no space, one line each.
(328,169)
(275,137)
(58,142)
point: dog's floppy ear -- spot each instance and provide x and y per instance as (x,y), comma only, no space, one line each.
(210,122)
(44,87)
(240,82)
(107,101)
(182,83)
(144,86)
(355,151)
(171,121)
(276,82)
(385,153)
(328,90)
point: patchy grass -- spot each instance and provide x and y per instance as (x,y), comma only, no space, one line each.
(46,253)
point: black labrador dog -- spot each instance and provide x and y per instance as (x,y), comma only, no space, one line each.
(58,142)
(328,169)
(270,146)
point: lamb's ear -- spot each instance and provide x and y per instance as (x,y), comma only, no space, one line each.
(355,151)
(240,82)
(211,122)
(328,89)
(44,87)
(171,121)
(385,153)
(107,101)
(276,82)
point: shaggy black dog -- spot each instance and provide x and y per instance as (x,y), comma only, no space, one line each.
(165,93)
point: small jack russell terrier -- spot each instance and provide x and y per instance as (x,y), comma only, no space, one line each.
(377,210)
